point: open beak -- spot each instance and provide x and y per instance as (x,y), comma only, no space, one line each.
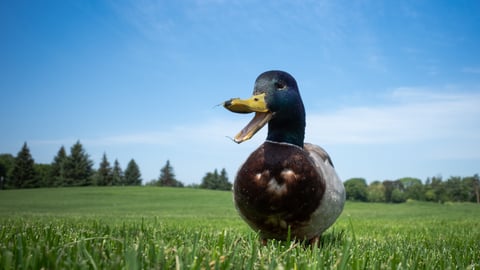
(254,104)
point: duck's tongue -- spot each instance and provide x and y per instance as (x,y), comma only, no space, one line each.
(255,104)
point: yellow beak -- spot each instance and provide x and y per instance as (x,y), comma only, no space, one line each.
(255,104)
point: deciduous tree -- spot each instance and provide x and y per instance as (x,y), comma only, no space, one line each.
(413,188)
(376,192)
(394,191)
(476,187)
(457,190)
(356,189)
(435,190)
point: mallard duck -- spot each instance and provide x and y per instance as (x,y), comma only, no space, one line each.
(286,188)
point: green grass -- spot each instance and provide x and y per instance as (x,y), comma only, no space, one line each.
(163,228)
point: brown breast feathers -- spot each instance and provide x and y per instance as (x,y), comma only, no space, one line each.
(277,187)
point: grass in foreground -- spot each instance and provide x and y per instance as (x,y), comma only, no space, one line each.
(161,228)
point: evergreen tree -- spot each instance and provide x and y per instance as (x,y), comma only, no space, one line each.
(132,174)
(23,173)
(117,174)
(59,170)
(216,181)
(167,177)
(79,167)
(3,175)
(209,180)
(7,162)
(104,173)
(224,183)
(44,172)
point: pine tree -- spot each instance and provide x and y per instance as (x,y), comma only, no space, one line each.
(132,174)
(117,174)
(58,173)
(167,177)
(7,162)
(224,183)
(79,167)
(104,175)
(44,172)
(216,181)
(209,181)
(3,175)
(23,173)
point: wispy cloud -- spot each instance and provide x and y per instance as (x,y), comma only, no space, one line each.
(443,124)
(181,135)
(410,114)
(414,115)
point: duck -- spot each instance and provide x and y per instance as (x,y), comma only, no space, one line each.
(286,188)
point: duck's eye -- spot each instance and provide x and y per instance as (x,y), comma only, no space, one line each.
(280,85)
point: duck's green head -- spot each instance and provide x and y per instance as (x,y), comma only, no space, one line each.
(276,101)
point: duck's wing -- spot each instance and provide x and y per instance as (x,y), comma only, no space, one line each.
(317,152)
(324,165)
(333,199)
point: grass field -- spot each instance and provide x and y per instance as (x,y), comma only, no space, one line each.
(165,228)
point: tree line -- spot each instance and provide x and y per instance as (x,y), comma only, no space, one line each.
(435,189)
(76,169)
(66,170)
(211,180)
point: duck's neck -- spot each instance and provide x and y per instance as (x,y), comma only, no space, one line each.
(288,121)
(282,131)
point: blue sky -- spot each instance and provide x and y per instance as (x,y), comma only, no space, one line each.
(391,88)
